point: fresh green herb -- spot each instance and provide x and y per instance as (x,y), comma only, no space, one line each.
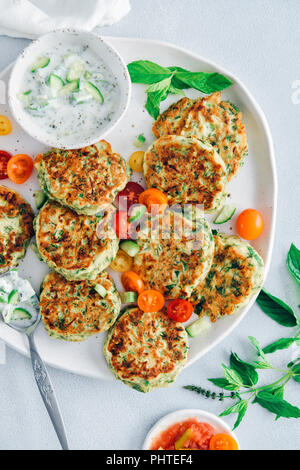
(293,262)
(165,80)
(277,309)
(241,377)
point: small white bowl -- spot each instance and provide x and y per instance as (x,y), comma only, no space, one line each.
(182,415)
(39,48)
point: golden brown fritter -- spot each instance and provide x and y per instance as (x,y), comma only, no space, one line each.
(146,350)
(69,244)
(172,120)
(85,180)
(173,258)
(236,274)
(16,227)
(74,310)
(187,170)
(211,120)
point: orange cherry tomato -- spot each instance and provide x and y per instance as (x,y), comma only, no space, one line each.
(122,225)
(19,168)
(132,282)
(151,301)
(249,224)
(155,198)
(223,441)
(180,310)
(5,125)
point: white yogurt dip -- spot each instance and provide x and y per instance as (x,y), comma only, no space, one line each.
(70,92)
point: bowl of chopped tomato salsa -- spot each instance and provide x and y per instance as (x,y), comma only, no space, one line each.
(186,430)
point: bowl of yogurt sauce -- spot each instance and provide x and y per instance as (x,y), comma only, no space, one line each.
(69,88)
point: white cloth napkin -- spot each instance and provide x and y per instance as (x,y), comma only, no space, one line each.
(31,18)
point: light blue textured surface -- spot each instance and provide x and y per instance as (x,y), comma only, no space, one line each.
(258,41)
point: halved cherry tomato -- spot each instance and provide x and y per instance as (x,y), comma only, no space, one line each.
(151,301)
(122,262)
(154,198)
(5,125)
(136,161)
(180,310)
(122,225)
(223,441)
(131,192)
(4,157)
(250,224)
(19,168)
(132,282)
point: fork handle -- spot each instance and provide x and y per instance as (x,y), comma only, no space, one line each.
(46,390)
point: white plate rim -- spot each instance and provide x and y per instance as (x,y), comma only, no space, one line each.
(266,128)
(182,415)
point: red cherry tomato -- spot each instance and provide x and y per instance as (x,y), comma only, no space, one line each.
(180,310)
(4,157)
(122,226)
(250,224)
(131,191)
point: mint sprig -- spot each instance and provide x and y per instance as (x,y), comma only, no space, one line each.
(241,377)
(165,80)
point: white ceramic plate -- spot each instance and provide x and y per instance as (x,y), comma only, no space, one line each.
(182,415)
(255,186)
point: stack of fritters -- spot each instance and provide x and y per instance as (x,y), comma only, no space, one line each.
(81,185)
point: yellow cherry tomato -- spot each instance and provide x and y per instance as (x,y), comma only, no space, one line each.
(122,262)
(136,161)
(5,125)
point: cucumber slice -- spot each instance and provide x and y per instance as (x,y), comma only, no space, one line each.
(93,91)
(198,326)
(140,140)
(130,247)
(69,88)
(3,297)
(76,70)
(87,75)
(55,83)
(24,97)
(226,213)
(136,213)
(101,290)
(21,314)
(40,198)
(128,297)
(14,297)
(40,63)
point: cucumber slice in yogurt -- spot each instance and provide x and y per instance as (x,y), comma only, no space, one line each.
(90,88)
(55,83)
(128,297)
(130,247)
(225,214)
(101,290)
(69,88)
(198,326)
(76,70)
(40,63)
(21,314)
(13,297)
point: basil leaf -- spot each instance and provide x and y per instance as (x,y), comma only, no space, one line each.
(264,364)
(204,82)
(246,371)
(175,90)
(145,71)
(159,86)
(232,376)
(240,408)
(276,309)
(175,81)
(296,370)
(293,262)
(277,405)
(282,343)
(153,101)
(225,384)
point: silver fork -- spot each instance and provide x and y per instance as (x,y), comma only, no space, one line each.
(44,383)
